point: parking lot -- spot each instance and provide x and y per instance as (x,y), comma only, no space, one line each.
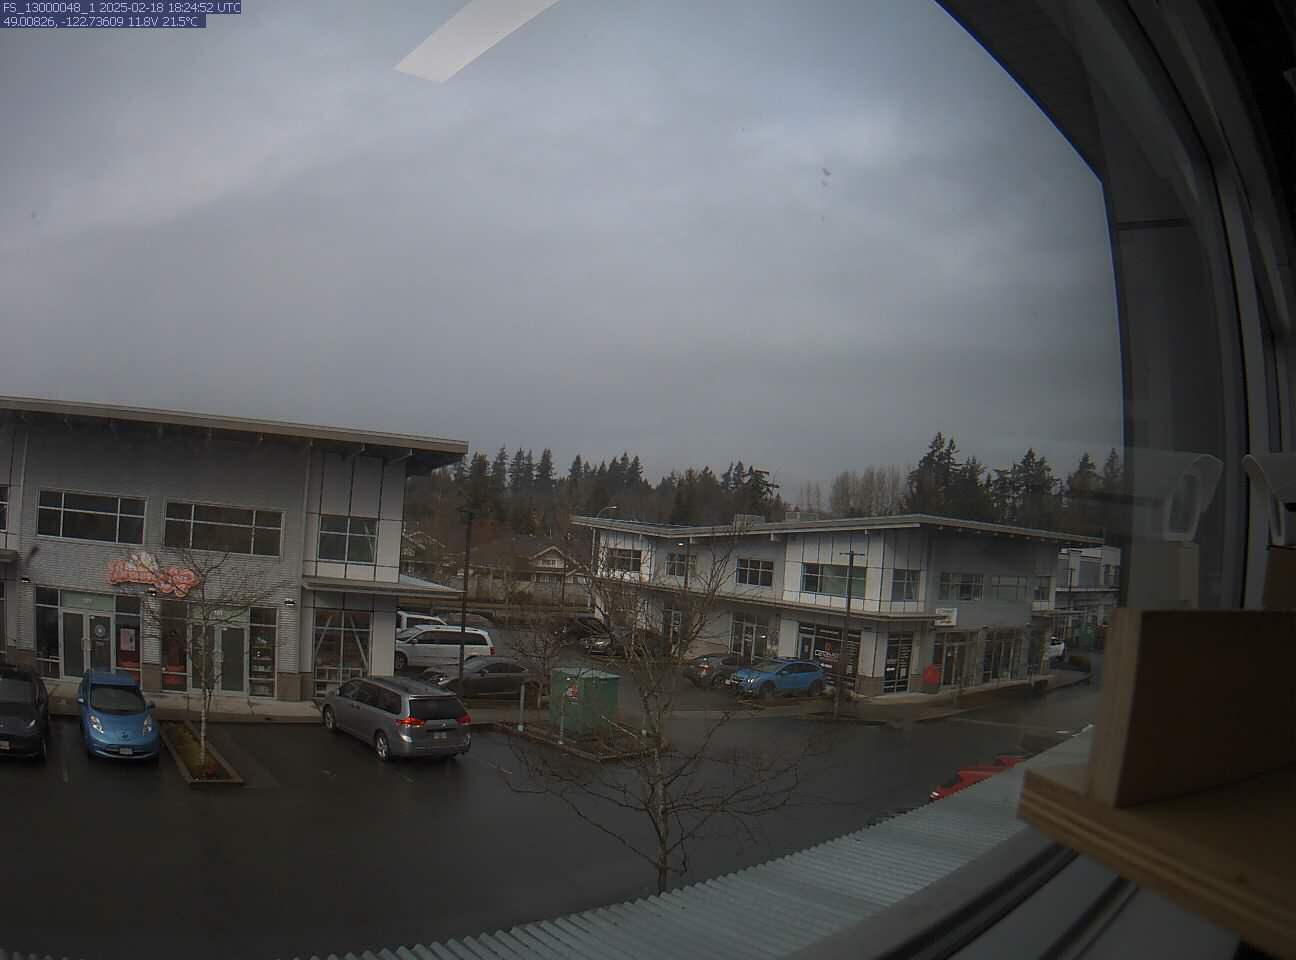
(329,850)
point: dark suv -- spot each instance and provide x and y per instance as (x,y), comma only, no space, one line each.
(24,712)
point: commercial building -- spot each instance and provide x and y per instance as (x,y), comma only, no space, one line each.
(114,520)
(935,602)
(1088,591)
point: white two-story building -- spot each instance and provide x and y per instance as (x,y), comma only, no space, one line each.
(935,602)
(105,511)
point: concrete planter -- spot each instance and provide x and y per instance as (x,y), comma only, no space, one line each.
(173,740)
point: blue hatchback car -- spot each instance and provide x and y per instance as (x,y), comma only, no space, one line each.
(764,678)
(115,720)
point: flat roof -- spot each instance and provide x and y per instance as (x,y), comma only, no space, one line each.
(441,448)
(908,521)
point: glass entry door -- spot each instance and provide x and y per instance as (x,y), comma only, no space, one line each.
(100,633)
(74,658)
(233,662)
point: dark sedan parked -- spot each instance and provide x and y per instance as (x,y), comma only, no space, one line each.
(711,669)
(580,629)
(24,712)
(483,677)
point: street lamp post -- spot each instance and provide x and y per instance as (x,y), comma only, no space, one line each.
(463,607)
(686,613)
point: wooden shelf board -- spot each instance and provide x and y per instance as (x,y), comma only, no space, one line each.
(1228,853)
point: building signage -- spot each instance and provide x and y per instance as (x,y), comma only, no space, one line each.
(946,616)
(142,568)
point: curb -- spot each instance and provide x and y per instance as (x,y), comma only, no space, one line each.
(190,780)
(68,709)
(511,730)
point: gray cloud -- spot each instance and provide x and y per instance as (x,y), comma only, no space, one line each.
(612,231)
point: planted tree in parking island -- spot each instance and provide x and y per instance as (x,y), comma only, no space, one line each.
(196,597)
(681,772)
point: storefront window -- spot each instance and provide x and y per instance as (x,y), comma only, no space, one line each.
(899,656)
(126,636)
(823,644)
(750,638)
(261,660)
(341,647)
(47,632)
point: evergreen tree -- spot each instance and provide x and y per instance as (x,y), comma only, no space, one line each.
(478,485)
(577,471)
(519,477)
(544,473)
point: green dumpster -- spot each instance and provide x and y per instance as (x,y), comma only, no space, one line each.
(582,701)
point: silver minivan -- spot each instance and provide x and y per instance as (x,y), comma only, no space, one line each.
(399,718)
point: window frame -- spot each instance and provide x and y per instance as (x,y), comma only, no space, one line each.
(62,509)
(192,521)
(859,577)
(4,506)
(747,567)
(677,564)
(953,585)
(1010,588)
(348,537)
(619,560)
(911,580)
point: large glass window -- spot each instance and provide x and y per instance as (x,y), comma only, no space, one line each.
(677,563)
(225,529)
(1043,589)
(823,644)
(750,637)
(830,579)
(47,632)
(755,573)
(904,585)
(962,586)
(263,641)
(625,561)
(899,655)
(88,516)
(1009,588)
(348,539)
(341,647)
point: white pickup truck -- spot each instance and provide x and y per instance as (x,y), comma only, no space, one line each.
(1054,649)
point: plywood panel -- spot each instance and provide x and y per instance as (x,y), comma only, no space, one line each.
(1192,699)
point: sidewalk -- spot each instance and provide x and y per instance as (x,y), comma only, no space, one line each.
(225,708)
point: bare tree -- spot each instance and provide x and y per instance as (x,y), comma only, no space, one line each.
(538,643)
(196,595)
(678,774)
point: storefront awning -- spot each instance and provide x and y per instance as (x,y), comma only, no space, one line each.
(406,586)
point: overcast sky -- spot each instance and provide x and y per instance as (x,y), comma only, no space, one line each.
(802,234)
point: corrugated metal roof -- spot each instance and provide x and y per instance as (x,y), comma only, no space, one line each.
(818,892)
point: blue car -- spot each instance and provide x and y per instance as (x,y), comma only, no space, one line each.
(764,678)
(115,720)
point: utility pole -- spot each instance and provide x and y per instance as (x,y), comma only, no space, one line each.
(562,588)
(845,641)
(463,608)
(686,616)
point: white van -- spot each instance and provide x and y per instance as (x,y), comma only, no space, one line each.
(438,646)
(405,620)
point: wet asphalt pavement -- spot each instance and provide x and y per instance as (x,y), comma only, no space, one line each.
(327,850)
